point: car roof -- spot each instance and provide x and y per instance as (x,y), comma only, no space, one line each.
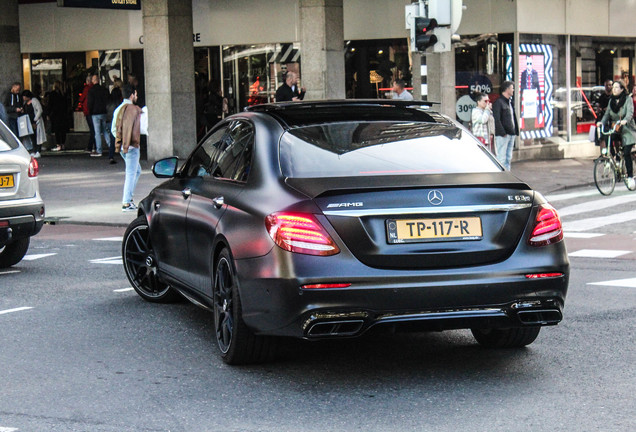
(300,114)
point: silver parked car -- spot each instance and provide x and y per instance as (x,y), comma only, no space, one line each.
(21,206)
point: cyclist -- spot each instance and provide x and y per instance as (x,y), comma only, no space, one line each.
(621,109)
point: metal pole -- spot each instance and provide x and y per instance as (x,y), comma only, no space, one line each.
(568,87)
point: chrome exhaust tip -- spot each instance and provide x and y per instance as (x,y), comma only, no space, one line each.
(335,328)
(540,316)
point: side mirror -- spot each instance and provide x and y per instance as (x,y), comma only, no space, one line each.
(165,168)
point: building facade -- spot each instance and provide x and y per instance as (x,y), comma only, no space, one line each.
(558,52)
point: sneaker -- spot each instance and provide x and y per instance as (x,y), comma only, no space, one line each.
(57,149)
(631,183)
(95,154)
(36,155)
(129,207)
(112,161)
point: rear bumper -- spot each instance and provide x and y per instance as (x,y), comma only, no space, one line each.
(25,218)
(496,295)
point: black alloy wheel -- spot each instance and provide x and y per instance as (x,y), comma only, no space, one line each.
(516,337)
(140,264)
(237,343)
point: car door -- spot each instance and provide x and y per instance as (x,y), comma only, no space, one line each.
(213,196)
(171,201)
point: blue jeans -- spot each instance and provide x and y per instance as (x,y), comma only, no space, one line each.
(102,127)
(505,144)
(133,171)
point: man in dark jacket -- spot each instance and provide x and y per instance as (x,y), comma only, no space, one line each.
(97,102)
(13,105)
(289,91)
(506,126)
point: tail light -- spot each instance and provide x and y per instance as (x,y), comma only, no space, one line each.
(301,233)
(543,275)
(547,227)
(326,286)
(34,168)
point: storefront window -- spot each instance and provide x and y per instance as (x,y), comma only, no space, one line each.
(480,66)
(596,61)
(252,73)
(372,65)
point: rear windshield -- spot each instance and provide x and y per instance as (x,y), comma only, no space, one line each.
(352,149)
(7,140)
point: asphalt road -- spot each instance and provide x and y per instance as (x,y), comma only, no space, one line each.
(90,355)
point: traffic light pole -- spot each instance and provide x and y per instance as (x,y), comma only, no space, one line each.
(440,80)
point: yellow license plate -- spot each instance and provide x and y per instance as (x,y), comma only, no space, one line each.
(6,181)
(428,230)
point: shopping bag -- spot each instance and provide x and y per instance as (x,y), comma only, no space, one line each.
(592,134)
(24,126)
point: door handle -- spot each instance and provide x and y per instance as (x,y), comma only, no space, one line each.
(218,202)
(186,193)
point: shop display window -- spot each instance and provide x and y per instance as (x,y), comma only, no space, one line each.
(252,73)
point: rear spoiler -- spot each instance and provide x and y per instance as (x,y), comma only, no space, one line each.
(315,187)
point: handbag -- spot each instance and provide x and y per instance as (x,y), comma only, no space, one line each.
(24,126)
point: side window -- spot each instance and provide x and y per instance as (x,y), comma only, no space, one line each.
(201,161)
(233,161)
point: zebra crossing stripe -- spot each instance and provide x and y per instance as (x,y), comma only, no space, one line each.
(598,253)
(33,257)
(628,283)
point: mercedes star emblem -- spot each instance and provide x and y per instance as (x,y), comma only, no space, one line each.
(435,197)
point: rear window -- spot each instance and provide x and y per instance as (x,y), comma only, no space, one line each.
(352,149)
(7,140)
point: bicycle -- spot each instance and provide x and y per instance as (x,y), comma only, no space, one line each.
(609,167)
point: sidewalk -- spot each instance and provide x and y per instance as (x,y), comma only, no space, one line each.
(86,190)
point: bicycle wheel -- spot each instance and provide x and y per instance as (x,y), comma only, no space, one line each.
(605,175)
(622,174)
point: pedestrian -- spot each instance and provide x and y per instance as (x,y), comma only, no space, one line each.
(13,105)
(97,105)
(215,107)
(83,99)
(127,131)
(289,90)
(483,123)
(58,113)
(114,100)
(400,92)
(33,107)
(621,110)
(506,126)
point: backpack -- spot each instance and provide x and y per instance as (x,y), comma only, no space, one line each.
(118,120)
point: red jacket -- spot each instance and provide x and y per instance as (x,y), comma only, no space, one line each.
(84,98)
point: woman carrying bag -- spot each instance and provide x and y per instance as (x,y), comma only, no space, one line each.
(621,109)
(483,123)
(33,107)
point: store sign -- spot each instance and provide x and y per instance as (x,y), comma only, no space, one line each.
(464,108)
(481,84)
(101,4)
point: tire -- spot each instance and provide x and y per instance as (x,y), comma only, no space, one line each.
(13,252)
(237,343)
(605,175)
(140,264)
(517,337)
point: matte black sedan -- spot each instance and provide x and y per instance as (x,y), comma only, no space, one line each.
(326,219)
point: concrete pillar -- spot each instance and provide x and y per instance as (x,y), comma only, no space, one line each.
(322,45)
(440,78)
(169,77)
(10,59)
